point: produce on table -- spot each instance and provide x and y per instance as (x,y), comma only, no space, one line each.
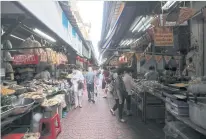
(31,136)
(6,100)
(6,91)
(50,102)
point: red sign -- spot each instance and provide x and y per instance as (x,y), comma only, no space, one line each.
(25,59)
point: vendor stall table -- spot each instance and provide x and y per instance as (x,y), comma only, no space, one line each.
(162,94)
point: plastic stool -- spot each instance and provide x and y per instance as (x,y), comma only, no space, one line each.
(13,136)
(51,126)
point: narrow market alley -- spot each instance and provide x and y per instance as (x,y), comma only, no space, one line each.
(94,121)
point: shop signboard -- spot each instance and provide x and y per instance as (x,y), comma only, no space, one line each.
(185,14)
(163,36)
(163,22)
(27,59)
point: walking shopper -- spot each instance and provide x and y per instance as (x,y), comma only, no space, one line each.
(97,82)
(105,81)
(77,81)
(129,85)
(120,94)
(90,76)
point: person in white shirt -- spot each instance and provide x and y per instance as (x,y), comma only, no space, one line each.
(152,74)
(129,85)
(45,74)
(77,81)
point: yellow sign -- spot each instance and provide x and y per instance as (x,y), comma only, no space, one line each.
(163,36)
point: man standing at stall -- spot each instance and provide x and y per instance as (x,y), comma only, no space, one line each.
(129,85)
(90,77)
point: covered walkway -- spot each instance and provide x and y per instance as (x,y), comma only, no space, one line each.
(94,121)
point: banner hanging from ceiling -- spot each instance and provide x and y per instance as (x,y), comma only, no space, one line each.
(167,58)
(138,56)
(163,36)
(148,57)
(158,58)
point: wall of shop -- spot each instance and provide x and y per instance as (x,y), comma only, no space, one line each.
(197,25)
(51,14)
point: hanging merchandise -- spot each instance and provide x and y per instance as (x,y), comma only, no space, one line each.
(163,36)
(43,56)
(158,58)
(7,45)
(28,43)
(7,56)
(49,56)
(128,55)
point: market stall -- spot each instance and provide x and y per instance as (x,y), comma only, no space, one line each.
(31,92)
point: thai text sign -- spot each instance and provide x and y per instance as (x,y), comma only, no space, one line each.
(25,59)
(163,36)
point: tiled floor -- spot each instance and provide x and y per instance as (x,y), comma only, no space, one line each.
(94,121)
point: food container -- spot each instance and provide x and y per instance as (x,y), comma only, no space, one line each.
(197,112)
(197,88)
(20,90)
(21,105)
(31,136)
(8,112)
(176,102)
(180,111)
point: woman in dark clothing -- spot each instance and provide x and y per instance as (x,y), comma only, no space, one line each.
(105,80)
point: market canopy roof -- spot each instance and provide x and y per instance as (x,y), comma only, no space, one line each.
(123,23)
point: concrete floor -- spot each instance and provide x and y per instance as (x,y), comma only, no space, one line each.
(94,121)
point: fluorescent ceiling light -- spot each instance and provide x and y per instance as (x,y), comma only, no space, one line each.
(44,35)
(147,21)
(16,37)
(168,5)
(135,22)
(139,24)
(147,27)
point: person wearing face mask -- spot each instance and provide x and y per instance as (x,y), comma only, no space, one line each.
(77,81)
